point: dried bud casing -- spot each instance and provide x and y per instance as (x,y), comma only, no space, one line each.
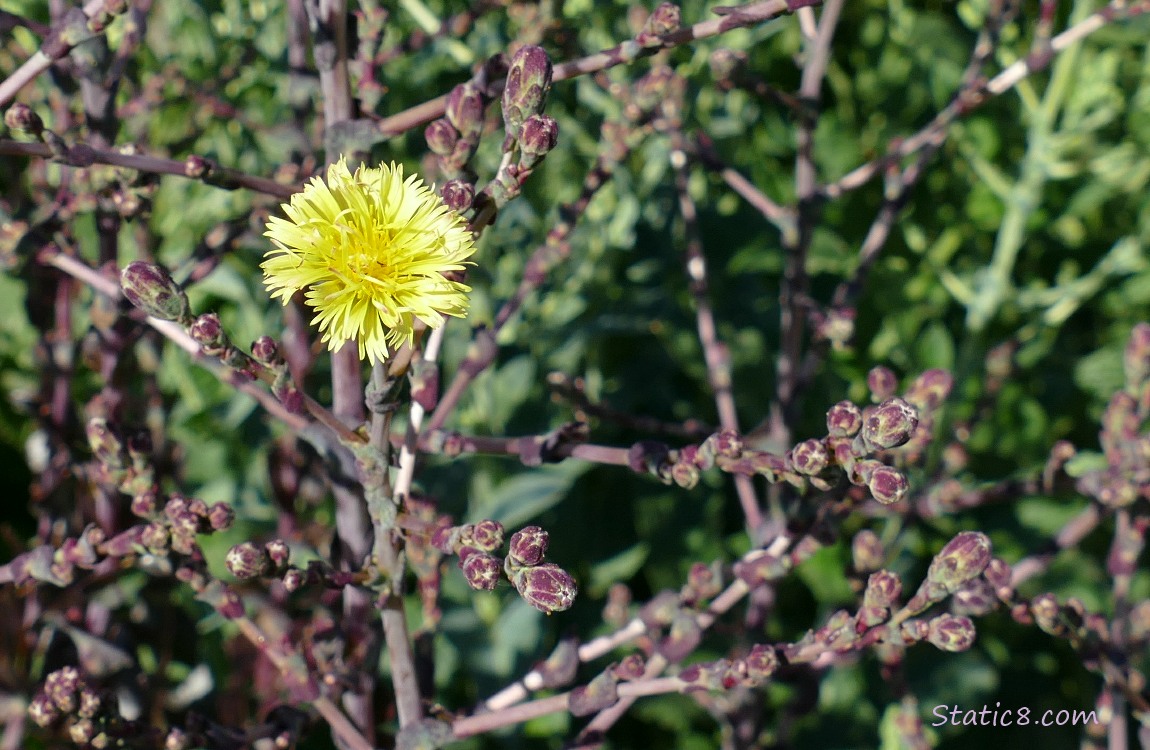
(528,81)
(150,288)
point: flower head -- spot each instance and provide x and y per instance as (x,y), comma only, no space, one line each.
(372,249)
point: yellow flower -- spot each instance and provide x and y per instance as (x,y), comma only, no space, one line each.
(371,249)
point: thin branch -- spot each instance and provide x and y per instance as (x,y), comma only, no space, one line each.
(56,45)
(629,51)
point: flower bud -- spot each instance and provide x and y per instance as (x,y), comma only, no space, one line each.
(266,351)
(528,81)
(887,484)
(867,551)
(144,503)
(761,662)
(882,383)
(481,570)
(1000,575)
(950,633)
(546,587)
(230,605)
(882,590)
(207,331)
(844,419)
(441,137)
(294,580)
(464,110)
(537,136)
(683,637)
(23,118)
(278,552)
(561,666)
(89,703)
(976,597)
(487,535)
(42,711)
(105,443)
(963,558)
(82,731)
(155,537)
(890,424)
(176,740)
(527,546)
(630,669)
(61,687)
(197,167)
(246,560)
(458,194)
(221,516)
(930,389)
(600,693)
(809,457)
(150,288)
(665,19)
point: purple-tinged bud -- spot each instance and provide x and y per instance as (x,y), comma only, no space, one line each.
(683,637)
(561,666)
(1136,358)
(528,81)
(844,419)
(703,582)
(230,606)
(177,740)
(867,551)
(861,471)
(538,135)
(882,383)
(246,560)
(630,669)
(487,535)
(963,558)
(999,575)
(185,523)
(761,566)
(762,661)
(266,351)
(890,424)
(1047,614)
(198,507)
(294,580)
(600,693)
(208,332)
(105,443)
(465,110)
(445,539)
(150,288)
(221,516)
(61,687)
(546,587)
(42,711)
(21,117)
(89,703)
(458,194)
(665,19)
(481,570)
(887,485)
(882,590)
(914,631)
(82,731)
(809,457)
(976,598)
(197,167)
(123,543)
(155,537)
(278,552)
(527,546)
(950,633)
(685,475)
(616,612)
(441,137)
(930,389)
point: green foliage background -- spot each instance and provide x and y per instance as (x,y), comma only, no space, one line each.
(1030,226)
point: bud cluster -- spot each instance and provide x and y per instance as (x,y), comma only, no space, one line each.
(725,674)
(68,701)
(545,586)
(853,436)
